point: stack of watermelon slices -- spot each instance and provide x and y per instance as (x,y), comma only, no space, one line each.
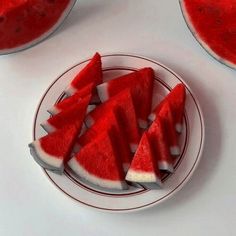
(124,140)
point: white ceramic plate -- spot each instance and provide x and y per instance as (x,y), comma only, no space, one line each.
(191,139)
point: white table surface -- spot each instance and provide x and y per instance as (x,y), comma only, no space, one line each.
(31,205)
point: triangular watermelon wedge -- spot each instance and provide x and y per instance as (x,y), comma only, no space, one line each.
(159,143)
(176,98)
(125,113)
(74,99)
(91,73)
(144,166)
(168,119)
(53,150)
(98,163)
(109,121)
(141,87)
(73,115)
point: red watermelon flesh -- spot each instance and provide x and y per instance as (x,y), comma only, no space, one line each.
(91,73)
(73,115)
(109,121)
(23,21)
(125,113)
(99,163)
(144,167)
(74,99)
(159,143)
(169,124)
(53,150)
(176,98)
(214,25)
(141,87)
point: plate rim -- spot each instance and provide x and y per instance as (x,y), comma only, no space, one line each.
(172,192)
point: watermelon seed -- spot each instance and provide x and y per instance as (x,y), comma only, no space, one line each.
(51,1)
(2,19)
(218,21)
(18,29)
(42,14)
(201,9)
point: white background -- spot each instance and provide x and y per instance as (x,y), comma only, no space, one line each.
(31,205)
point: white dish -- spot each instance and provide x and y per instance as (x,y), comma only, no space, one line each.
(191,139)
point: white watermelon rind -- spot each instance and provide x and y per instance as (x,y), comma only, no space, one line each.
(164,165)
(143,177)
(45,160)
(70,90)
(200,41)
(48,127)
(81,172)
(53,110)
(102,90)
(175,150)
(44,36)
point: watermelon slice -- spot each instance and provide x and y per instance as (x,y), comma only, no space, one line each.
(73,115)
(125,113)
(91,73)
(144,167)
(168,119)
(53,150)
(141,87)
(24,23)
(69,101)
(176,98)
(159,143)
(213,24)
(109,121)
(99,163)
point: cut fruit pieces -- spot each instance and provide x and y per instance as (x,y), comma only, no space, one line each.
(144,166)
(159,142)
(109,121)
(169,124)
(213,25)
(91,73)
(73,115)
(53,150)
(74,99)
(176,98)
(125,113)
(24,23)
(98,163)
(140,84)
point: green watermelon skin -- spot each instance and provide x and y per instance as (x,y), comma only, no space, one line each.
(140,84)
(176,98)
(73,115)
(109,121)
(71,100)
(53,150)
(91,73)
(144,167)
(126,115)
(24,23)
(98,163)
(159,142)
